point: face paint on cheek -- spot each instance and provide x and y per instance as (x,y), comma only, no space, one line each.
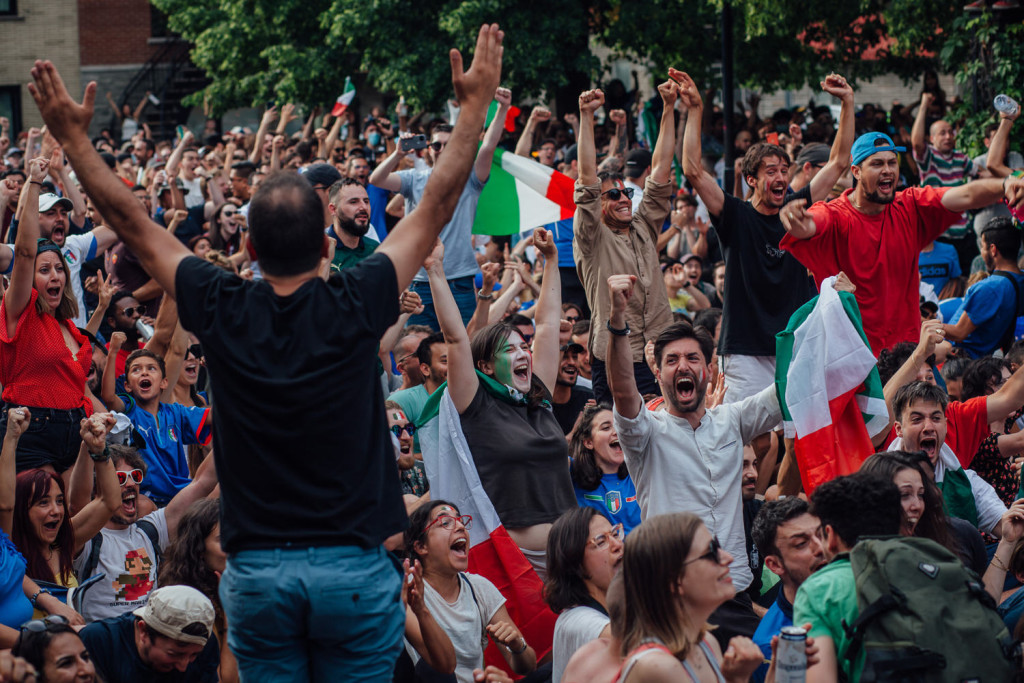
(700,378)
(503,367)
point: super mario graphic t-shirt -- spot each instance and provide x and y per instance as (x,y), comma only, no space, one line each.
(128,561)
(614,498)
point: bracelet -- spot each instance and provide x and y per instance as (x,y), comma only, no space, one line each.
(998,564)
(486,297)
(624,332)
(102,456)
(520,650)
(36,182)
(1004,183)
(35,598)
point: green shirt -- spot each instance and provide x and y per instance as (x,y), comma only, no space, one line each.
(346,258)
(825,600)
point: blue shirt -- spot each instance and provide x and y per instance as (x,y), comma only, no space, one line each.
(778,616)
(991,306)
(166,436)
(938,265)
(562,231)
(614,498)
(15,609)
(378,203)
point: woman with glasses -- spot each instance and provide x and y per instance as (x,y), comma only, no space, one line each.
(450,614)
(599,475)
(56,652)
(676,575)
(584,552)
(410,468)
(44,359)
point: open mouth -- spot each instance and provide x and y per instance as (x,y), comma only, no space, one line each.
(53,292)
(128,501)
(778,193)
(615,445)
(460,547)
(145,384)
(930,445)
(405,449)
(685,386)
(885,186)
(52,526)
(57,235)
(522,371)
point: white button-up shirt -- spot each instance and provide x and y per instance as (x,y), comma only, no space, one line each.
(678,469)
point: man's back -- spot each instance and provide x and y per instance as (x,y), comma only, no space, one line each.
(826,600)
(300,417)
(992,306)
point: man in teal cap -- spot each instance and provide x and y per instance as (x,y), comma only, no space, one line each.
(874,234)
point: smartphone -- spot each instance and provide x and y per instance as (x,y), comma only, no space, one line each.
(413,143)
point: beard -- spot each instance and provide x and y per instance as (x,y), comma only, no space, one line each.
(700,388)
(352,227)
(877,198)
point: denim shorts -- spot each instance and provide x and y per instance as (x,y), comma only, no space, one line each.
(331,613)
(53,437)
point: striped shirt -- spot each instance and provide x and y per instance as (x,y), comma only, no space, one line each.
(946,170)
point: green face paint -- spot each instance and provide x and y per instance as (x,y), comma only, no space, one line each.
(503,366)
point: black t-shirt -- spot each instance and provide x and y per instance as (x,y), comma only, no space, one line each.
(566,413)
(303,449)
(111,644)
(763,284)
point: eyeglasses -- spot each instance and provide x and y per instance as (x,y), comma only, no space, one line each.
(409,429)
(228,213)
(131,310)
(447,522)
(437,146)
(601,540)
(615,193)
(714,553)
(405,358)
(44,624)
(124,475)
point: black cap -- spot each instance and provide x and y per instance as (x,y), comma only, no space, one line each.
(638,158)
(323,175)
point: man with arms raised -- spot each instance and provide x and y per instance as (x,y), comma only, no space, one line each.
(686,458)
(874,234)
(300,509)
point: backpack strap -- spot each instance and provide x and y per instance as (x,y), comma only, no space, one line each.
(147,527)
(855,631)
(93,560)
(1006,340)
(479,610)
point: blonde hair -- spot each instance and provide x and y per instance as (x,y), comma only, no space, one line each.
(652,568)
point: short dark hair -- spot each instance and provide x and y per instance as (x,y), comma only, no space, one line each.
(423,354)
(118,295)
(286,224)
(518,319)
(581,326)
(708,319)
(684,330)
(335,189)
(858,505)
(892,359)
(128,455)
(978,374)
(144,353)
(442,128)
(770,517)
(243,169)
(565,585)
(1001,232)
(1015,356)
(918,390)
(755,156)
(610,177)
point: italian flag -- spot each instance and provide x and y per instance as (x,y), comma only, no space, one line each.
(520,195)
(492,554)
(828,387)
(345,99)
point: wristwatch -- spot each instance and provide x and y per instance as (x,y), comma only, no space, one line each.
(624,332)
(102,456)
(486,297)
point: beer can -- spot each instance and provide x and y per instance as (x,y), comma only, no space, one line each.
(791,655)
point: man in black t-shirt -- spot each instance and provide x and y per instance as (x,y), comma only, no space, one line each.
(764,285)
(568,398)
(309,591)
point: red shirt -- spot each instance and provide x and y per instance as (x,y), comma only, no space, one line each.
(879,253)
(122,356)
(36,367)
(967,427)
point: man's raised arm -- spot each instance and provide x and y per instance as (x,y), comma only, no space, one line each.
(621,380)
(706,186)
(68,121)
(840,157)
(409,244)
(661,159)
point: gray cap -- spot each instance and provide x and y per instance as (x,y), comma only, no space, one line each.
(813,152)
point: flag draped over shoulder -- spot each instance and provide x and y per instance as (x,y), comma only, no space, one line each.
(492,554)
(522,194)
(828,387)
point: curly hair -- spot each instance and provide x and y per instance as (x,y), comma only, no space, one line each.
(184,563)
(584,470)
(977,376)
(31,486)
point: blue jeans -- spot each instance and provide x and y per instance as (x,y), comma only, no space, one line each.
(313,614)
(464,292)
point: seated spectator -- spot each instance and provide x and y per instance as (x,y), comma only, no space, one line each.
(598,470)
(168,639)
(599,660)
(196,559)
(584,553)
(45,531)
(1008,562)
(676,575)
(993,460)
(466,608)
(55,650)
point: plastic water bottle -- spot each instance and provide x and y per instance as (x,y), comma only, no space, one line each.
(145,331)
(1005,104)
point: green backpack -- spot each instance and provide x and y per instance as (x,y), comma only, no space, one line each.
(924,617)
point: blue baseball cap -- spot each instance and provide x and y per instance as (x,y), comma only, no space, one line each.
(872,143)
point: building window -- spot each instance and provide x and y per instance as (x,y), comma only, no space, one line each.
(10,106)
(8,8)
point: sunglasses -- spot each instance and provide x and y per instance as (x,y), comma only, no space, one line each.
(409,429)
(196,350)
(131,310)
(572,318)
(437,146)
(615,193)
(123,476)
(44,624)
(601,540)
(713,554)
(447,522)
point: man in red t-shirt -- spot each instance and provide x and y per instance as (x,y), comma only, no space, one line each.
(875,234)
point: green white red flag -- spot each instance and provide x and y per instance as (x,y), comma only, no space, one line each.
(348,93)
(520,195)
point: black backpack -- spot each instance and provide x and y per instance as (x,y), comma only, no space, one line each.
(924,617)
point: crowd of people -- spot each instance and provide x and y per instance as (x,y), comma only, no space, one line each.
(239,368)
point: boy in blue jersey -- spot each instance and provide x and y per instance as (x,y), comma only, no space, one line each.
(166,427)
